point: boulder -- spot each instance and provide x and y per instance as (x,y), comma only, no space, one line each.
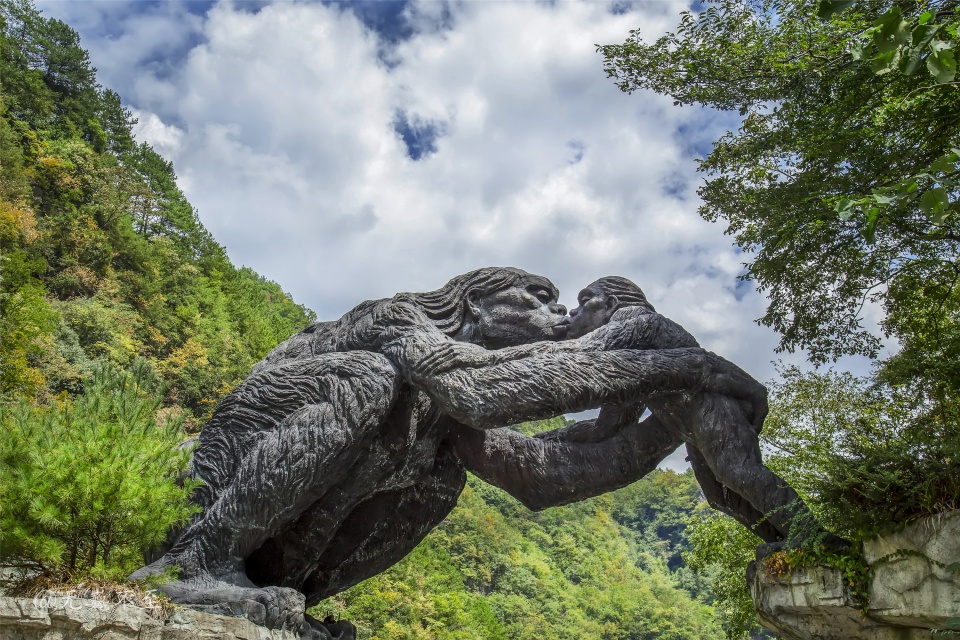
(56,618)
(914,590)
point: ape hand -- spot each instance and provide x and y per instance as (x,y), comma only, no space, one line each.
(725,378)
(447,356)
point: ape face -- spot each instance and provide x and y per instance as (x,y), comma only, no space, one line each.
(594,311)
(523,313)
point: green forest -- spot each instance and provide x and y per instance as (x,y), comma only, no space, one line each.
(123,323)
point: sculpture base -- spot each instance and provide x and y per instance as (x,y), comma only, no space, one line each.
(914,590)
(56,618)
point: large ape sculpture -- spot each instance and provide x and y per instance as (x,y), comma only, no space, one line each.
(335,456)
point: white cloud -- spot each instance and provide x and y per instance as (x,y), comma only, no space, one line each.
(280,125)
(164,138)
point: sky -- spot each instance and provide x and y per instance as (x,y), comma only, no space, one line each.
(350,151)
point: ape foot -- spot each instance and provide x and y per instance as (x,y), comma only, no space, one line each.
(751,573)
(767,549)
(235,595)
(271,607)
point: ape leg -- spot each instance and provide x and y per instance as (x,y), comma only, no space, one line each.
(383,530)
(288,470)
(728,502)
(565,465)
(730,448)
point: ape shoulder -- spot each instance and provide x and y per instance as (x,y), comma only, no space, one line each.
(639,328)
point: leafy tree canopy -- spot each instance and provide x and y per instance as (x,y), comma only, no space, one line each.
(841,185)
(841,182)
(89,484)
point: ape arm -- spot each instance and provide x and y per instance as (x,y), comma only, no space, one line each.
(544,385)
(553,468)
(486,389)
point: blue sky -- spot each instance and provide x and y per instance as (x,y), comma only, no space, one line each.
(353,150)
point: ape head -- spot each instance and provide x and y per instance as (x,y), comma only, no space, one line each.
(496,307)
(599,300)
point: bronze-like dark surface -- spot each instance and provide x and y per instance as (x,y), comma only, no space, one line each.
(347,444)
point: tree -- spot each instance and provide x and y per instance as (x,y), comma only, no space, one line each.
(90,484)
(860,452)
(841,182)
(723,547)
(841,185)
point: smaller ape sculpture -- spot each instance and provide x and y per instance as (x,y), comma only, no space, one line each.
(720,432)
(730,470)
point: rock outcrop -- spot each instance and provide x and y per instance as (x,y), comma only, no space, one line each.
(914,590)
(63,618)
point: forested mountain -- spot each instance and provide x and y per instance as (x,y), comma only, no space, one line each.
(119,312)
(103,259)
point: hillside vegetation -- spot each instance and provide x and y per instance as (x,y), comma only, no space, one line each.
(609,567)
(103,259)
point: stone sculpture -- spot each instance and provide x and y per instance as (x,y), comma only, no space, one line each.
(346,445)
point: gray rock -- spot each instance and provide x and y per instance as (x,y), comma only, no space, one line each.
(913,590)
(914,583)
(59,618)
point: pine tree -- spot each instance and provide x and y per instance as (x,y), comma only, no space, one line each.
(89,485)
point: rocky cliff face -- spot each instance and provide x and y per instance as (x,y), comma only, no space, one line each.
(59,618)
(914,590)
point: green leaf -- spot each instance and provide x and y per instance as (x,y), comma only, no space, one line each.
(934,201)
(924,18)
(882,200)
(828,8)
(936,46)
(858,50)
(869,230)
(909,61)
(922,35)
(942,66)
(945,163)
(894,31)
(884,62)
(844,209)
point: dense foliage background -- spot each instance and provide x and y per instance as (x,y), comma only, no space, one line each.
(842,188)
(103,259)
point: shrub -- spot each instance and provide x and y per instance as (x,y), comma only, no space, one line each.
(865,455)
(722,548)
(88,485)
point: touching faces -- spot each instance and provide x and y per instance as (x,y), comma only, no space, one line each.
(594,311)
(525,312)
